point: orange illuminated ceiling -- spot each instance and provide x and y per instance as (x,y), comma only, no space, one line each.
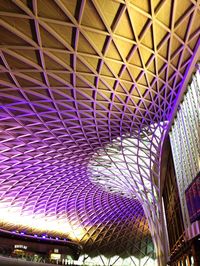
(123,59)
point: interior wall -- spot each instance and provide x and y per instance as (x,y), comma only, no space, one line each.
(185,141)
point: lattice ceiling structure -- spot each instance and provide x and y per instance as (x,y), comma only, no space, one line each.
(77,77)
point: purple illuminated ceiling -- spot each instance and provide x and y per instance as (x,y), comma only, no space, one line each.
(75,76)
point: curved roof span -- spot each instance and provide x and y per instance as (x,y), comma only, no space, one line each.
(77,79)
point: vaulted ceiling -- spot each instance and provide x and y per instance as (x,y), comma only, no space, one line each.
(74,76)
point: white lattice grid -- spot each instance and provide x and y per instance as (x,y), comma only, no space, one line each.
(72,80)
(130,166)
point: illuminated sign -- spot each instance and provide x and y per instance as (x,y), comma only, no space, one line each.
(20,247)
(55,256)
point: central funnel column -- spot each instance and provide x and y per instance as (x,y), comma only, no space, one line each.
(130,166)
(158,233)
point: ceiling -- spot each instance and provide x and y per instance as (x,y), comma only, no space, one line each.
(75,76)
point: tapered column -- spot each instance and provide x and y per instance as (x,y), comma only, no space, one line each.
(134,162)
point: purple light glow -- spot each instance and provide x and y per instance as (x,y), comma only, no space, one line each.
(64,100)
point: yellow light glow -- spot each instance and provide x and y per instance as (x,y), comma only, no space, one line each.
(8,216)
